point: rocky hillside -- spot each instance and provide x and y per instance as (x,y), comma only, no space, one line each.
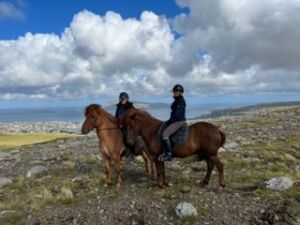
(61,182)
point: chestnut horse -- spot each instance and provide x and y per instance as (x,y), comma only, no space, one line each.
(111,142)
(204,139)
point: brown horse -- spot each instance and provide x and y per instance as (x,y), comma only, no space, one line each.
(204,139)
(111,142)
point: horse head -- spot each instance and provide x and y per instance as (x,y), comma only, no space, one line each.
(92,118)
(128,121)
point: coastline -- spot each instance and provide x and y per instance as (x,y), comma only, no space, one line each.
(74,127)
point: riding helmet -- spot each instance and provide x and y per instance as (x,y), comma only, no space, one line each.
(123,95)
(179,88)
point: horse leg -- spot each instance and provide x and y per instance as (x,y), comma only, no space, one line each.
(210,167)
(164,176)
(117,165)
(220,168)
(107,174)
(146,161)
(153,170)
(160,168)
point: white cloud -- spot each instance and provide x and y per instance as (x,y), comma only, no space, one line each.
(95,55)
(225,46)
(241,33)
(8,10)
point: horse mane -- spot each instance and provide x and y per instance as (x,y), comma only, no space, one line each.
(146,114)
(98,108)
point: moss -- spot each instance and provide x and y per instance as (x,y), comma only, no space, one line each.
(12,218)
(270,160)
(66,196)
(12,139)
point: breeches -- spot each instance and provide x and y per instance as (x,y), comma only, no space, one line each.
(171,129)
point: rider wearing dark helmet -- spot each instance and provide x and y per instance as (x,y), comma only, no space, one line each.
(176,121)
(122,107)
(123,104)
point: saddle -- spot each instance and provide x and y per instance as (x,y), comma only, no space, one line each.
(177,138)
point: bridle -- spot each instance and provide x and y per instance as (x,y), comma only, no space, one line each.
(136,135)
(106,128)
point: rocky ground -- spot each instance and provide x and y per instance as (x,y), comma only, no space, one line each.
(60,182)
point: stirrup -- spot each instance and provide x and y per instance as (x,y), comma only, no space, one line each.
(165,157)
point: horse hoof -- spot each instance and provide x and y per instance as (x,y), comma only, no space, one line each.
(105,185)
(118,185)
(222,185)
(203,184)
(166,184)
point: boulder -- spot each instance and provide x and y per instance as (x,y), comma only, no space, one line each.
(279,183)
(185,189)
(184,209)
(36,170)
(4,181)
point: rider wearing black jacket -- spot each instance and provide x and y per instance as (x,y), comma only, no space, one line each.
(122,107)
(176,121)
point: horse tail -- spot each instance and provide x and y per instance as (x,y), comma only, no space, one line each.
(221,129)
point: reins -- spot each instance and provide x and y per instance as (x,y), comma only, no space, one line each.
(108,128)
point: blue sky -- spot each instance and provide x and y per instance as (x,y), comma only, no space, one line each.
(73,52)
(54,16)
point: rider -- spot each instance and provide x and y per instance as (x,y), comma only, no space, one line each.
(123,104)
(122,107)
(176,121)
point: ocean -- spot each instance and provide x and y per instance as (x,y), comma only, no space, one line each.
(76,114)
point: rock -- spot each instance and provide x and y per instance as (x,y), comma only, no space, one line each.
(231,145)
(175,167)
(4,181)
(5,156)
(184,209)
(197,167)
(13,152)
(186,175)
(290,157)
(81,167)
(139,159)
(279,183)
(68,164)
(6,213)
(185,189)
(36,170)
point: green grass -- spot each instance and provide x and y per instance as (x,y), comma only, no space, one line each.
(11,139)
(271,160)
(12,218)
(31,194)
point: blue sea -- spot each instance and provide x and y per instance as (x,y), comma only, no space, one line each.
(76,114)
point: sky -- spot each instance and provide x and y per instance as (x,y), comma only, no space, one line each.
(63,52)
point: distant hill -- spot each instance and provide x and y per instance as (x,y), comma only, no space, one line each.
(140,105)
(248,108)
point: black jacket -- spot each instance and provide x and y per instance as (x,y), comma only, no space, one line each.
(121,108)
(178,110)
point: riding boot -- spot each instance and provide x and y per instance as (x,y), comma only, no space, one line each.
(167,155)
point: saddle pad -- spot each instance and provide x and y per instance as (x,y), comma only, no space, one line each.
(178,137)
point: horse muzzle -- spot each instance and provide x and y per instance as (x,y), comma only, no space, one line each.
(85,130)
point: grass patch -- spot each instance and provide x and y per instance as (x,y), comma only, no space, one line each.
(12,218)
(269,160)
(66,196)
(11,139)
(31,194)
